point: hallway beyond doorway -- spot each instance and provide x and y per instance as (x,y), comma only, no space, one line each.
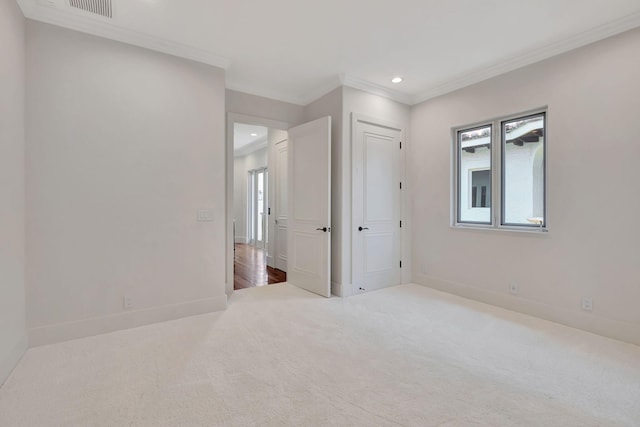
(250,268)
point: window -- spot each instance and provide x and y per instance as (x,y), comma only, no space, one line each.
(474,164)
(515,172)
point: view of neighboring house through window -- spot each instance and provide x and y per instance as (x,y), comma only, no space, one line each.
(523,171)
(474,183)
(516,172)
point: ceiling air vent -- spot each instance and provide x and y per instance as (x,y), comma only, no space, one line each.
(99,7)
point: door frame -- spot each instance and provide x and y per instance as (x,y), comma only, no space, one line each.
(405,231)
(232,119)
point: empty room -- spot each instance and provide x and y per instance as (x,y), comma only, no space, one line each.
(289,213)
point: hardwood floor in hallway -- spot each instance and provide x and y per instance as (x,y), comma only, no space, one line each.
(250,268)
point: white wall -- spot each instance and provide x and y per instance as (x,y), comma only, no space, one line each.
(266,108)
(331,105)
(592,246)
(241,167)
(124,145)
(13,337)
(384,109)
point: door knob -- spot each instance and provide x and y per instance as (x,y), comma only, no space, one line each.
(362,228)
(322,229)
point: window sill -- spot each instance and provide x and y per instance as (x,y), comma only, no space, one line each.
(502,229)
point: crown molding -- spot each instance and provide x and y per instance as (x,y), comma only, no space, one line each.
(376,89)
(536,55)
(108,30)
(321,90)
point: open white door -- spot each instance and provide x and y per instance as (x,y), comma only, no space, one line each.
(309,227)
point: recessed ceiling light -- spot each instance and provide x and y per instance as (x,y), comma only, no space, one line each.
(397,79)
(254,134)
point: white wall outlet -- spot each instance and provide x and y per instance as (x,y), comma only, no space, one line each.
(514,288)
(424,269)
(127,302)
(587,303)
(205,215)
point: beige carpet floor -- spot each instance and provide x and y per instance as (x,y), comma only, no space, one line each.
(404,356)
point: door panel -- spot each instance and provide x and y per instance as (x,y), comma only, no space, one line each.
(309,202)
(281,205)
(376,206)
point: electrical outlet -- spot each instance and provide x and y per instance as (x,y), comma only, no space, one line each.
(127,302)
(424,269)
(587,303)
(514,288)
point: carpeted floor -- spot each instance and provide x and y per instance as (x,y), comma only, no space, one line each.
(404,356)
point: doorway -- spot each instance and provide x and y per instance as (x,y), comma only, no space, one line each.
(253,205)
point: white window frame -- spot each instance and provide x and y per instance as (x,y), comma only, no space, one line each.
(497,178)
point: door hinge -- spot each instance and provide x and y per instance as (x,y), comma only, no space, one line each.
(401,185)
(401,145)
(400,224)
(400,264)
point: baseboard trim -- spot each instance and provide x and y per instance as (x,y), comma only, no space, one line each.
(590,322)
(242,239)
(10,361)
(337,289)
(130,319)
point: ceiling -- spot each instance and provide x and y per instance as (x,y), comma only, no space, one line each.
(296,51)
(247,138)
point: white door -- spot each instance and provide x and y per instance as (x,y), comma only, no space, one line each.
(280,204)
(309,225)
(258,210)
(376,206)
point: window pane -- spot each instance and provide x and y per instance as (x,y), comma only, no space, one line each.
(474,175)
(523,171)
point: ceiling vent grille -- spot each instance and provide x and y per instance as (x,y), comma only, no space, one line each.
(99,7)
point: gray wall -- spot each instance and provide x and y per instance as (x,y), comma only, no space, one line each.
(592,245)
(266,108)
(124,146)
(13,338)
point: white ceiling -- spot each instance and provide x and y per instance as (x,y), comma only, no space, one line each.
(248,137)
(296,50)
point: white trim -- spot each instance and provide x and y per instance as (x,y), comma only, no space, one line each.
(10,361)
(242,239)
(129,319)
(575,318)
(111,31)
(377,89)
(337,289)
(532,56)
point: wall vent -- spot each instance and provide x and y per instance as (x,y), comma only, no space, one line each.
(99,7)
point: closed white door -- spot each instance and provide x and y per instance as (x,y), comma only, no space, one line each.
(281,205)
(376,206)
(309,207)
